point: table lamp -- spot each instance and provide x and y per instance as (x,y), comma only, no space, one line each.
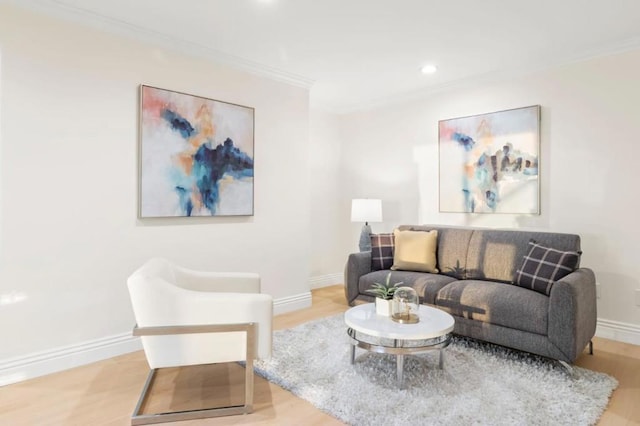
(366,210)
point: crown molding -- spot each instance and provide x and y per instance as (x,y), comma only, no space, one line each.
(98,21)
(74,13)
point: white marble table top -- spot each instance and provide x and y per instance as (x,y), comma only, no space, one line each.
(433,323)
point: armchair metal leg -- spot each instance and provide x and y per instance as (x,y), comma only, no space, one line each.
(143,396)
(145,419)
(247,408)
(248,387)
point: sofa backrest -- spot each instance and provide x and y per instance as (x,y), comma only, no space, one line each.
(489,254)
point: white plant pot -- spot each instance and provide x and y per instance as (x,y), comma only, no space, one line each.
(383,307)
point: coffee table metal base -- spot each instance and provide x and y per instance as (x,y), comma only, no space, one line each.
(438,343)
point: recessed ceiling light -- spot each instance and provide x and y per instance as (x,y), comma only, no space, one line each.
(428,69)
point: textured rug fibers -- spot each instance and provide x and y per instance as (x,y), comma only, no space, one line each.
(481,384)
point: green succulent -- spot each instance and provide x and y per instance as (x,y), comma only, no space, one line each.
(384,291)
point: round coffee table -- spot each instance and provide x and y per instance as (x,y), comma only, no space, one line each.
(431,333)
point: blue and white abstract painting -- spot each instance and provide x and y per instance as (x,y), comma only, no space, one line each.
(196,156)
(489,163)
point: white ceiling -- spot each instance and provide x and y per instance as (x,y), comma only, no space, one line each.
(362,52)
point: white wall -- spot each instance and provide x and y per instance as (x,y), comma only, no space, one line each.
(589,164)
(325,188)
(70,236)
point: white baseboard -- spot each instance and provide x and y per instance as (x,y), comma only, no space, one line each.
(325,280)
(292,303)
(14,370)
(619,331)
(37,364)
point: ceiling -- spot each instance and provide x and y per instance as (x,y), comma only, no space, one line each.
(358,53)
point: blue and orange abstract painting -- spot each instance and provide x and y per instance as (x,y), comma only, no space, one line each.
(196,156)
(489,162)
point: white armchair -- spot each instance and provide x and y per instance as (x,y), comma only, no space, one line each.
(187,317)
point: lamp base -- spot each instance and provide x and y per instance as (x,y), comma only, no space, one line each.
(365,238)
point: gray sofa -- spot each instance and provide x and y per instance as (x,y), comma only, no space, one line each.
(476,269)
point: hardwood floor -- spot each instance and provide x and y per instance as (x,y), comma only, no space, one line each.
(105,393)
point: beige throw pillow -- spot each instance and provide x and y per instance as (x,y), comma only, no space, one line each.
(415,251)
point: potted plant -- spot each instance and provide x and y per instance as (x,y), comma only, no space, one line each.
(384,295)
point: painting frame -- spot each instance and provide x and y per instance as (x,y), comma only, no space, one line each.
(196,156)
(490,162)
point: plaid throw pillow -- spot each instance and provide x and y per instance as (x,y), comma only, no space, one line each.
(543,266)
(382,246)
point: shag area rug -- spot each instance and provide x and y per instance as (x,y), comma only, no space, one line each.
(481,384)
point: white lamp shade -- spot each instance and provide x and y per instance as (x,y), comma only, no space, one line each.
(366,210)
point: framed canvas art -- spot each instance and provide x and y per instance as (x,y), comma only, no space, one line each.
(196,156)
(489,163)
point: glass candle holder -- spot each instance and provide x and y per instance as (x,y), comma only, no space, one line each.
(405,306)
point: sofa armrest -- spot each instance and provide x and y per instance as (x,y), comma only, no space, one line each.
(358,264)
(573,312)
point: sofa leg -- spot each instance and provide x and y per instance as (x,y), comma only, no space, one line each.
(568,367)
(590,347)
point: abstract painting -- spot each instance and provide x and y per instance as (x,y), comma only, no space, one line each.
(489,162)
(196,156)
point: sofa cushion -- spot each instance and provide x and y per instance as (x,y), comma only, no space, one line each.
(452,248)
(415,251)
(543,266)
(381,251)
(496,255)
(426,285)
(496,303)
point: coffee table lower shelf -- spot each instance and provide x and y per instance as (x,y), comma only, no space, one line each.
(398,349)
